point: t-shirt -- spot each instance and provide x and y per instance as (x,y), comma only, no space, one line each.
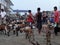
(56,18)
(30,18)
(3,14)
(38,17)
(51,19)
(44,17)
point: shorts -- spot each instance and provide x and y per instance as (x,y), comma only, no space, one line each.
(39,26)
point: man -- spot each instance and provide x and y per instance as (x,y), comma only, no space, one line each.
(30,18)
(56,20)
(56,15)
(25,16)
(39,20)
(44,17)
(52,18)
(17,18)
(3,14)
(0,20)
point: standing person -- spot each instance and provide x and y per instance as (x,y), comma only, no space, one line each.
(56,15)
(44,17)
(0,20)
(30,18)
(3,14)
(39,20)
(52,18)
(17,18)
(56,19)
(24,16)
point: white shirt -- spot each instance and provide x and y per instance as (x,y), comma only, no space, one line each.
(3,14)
(17,20)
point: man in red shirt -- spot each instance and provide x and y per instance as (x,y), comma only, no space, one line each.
(56,19)
(56,15)
(30,18)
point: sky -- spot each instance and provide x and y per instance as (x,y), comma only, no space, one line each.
(34,4)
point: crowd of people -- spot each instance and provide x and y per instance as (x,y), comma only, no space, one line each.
(38,19)
(41,18)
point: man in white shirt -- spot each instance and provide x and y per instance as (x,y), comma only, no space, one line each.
(3,13)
